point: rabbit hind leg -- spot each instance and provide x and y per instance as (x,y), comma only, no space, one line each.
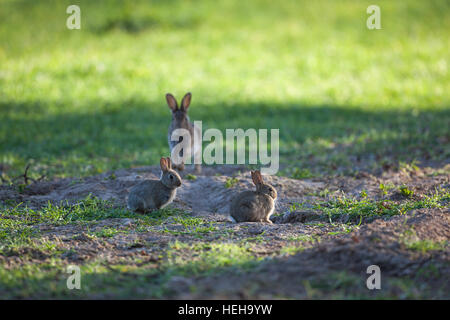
(267,220)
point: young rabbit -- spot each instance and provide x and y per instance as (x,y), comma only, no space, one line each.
(254,206)
(151,195)
(180,120)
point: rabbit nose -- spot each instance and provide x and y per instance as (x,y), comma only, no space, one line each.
(179,183)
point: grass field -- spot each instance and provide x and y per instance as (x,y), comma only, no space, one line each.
(78,103)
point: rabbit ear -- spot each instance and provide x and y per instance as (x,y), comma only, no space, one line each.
(163,164)
(186,101)
(254,178)
(169,163)
(258,177)
(173,105)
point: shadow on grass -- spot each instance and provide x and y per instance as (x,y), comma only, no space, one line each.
(134,132)
(309,274)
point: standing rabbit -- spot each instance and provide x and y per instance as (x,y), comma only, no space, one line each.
(254,206)
(151,195)
(180,120)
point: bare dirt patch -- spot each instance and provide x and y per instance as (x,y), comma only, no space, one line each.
(304,254)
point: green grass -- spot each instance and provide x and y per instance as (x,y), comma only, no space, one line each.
(16,223)
(106,233)
(411,241)
(427,245)
(48,280)
(191,177)
(405,191)
(209,258)
(345,285)
(192,226)
(231,182)
(365,208)
(80,102)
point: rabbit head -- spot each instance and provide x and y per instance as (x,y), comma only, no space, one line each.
(262,187)
(179,114)
(169,177)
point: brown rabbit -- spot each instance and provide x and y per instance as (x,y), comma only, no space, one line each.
(180,120)
(254,206)
(152,195)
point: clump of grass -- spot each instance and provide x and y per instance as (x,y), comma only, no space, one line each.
(292,249)
(385,188)
(208,258)
(411,241)
(408,167)
(424,246)
(112,176)
(405,191)
(89,209)
(356,210)
(106,233)
(303,173)
(193,226)
(231,182)
(304,238)
(191,177)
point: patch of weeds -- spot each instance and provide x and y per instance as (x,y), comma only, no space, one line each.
(258,238)
(356,210)
(136,244)
(385,188)
(408,167)
(10,203)
(141,228)
(291,249)
(189,222)
(89,209)
(345,230)
(191,177)
(41,279)
(18,223)
(293,207)
(317,224)
(112,176)
(411,241)
(301,173)
(231,182)
(208,258)
(20,246)
(192,225)
(15,232)
(324,193)
(405,191)
(430,271)
(332,282)
(159,216)
(304,238)
(75,181)
(106,233)
(21,187)
(48,280)
(441,171)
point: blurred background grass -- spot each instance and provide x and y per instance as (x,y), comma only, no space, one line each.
(79,102)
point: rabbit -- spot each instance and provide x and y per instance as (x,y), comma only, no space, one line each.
(151,195)
(254,206)
(180,120)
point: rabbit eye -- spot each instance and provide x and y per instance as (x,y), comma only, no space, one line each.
(171,177)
